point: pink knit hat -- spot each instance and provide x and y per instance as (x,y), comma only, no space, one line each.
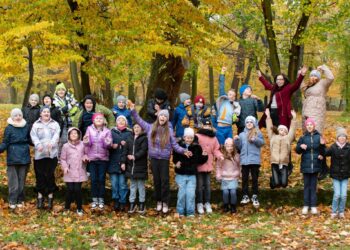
(229,141)
(94,116)
(310,120)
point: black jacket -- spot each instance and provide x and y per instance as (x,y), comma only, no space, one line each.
(189,165)
(340,161)
(56,115)
(151,117)
(136,169)
(31,114)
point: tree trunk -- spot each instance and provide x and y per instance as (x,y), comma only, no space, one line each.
(194,78)
(143,86)
(271,37)
(167,73)
(13,91)
(78,93)
(131,88)
(346,92)
(107,93)
(252,62)
(211,85)
(31,76)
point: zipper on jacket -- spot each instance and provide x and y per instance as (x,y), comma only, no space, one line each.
(133,161)
(281,102)
(312,152)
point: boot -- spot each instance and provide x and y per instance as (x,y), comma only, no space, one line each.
(122,207)
(226,208)
(40,203)
(233,209)
(50,203)
(142,208)
(132,208)
(116,205)
(272,183)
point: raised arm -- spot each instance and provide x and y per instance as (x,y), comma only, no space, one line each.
(328,74)
(222,82)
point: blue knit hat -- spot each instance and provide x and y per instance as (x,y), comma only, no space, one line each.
(315,73)
(243,88)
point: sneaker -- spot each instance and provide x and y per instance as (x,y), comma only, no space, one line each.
(255,201)
(20,204)
(132,208)
(12,206)
(190,216)
(80,212)
(226,208)
(94,203)
(305,210)
(314,210)
(165,208)
(334,215)
(142,208)
(200,208)
(159,206)
(245,199)
(207,207)
(101,203)
(341,216)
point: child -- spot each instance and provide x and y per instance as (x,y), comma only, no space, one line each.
(119,108)
(55,112)
(250,105)
(225,111)
(72,157)
(280,148)
(228,172)
(159,102)
(135,159)
(249,143)
(31,112)
(209,143)
(340,172)
(311,147)
(160,144)
(116,173)
(180,113)
(186,170)
(194,116)
(16,142)
(97,141)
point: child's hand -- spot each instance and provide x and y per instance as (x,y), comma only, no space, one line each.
(178,164)
(320,68)
(86,139)
(40,148)
(322,141)
(131,157)
(303,146)
(320,157)
(294,114)
(122,166)
(223,70)
(49,147)
(259,73)
(108,141)
(86,159)
(204,153)
(236,137)
(221,158)
(115,145)
(267,112)
(156,107)
(123,143)
(303,70)
(188,154)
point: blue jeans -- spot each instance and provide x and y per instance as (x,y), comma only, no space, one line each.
(310,188)
(137,184)
(229,196)
(339,197)
(222,133)
(119,187)
(98,178)
(186,196)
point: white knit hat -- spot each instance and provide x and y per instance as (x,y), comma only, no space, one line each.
(16,111)
(122,117)
(341,132)
(189,132)
(282,127)
(250,118)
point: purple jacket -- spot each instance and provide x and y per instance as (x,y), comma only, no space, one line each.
(97,149)
(156,151)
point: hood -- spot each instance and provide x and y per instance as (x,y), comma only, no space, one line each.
(20,124)
(206,132)
(71,129)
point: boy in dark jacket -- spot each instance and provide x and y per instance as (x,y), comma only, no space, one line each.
(134,160)
(186,170)
(159,102)
(116,172)
(31,112)
(16,142)
(311,146)
(340,172)
(120,108)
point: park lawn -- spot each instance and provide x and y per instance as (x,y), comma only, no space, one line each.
(276,224)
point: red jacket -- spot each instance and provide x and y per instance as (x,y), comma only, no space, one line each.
(283,99)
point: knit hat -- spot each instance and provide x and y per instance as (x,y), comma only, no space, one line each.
(184,97)
(282,127)
(60,85)
(15,112)
(206,121)
(46,95)
(120,98)
(243,88)
(160,94)
(94,116)
(189,132)
(250,119)
(340,132)
(122,117)
(44,107)
(34,97)
(164,112)
(229,141)
(310,120)
(315,73)
(199,98)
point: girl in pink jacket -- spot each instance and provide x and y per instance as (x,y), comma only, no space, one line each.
(228,172)
(97,141)
(73,167)
(210,145)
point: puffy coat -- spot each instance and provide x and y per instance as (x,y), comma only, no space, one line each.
(138,147)
(309,158)
(115,155)
(125,112)
(340,161)
(16,142)
(179,115)
(31,114)
(151,112)
(97,149)
(249,106)
(228,169)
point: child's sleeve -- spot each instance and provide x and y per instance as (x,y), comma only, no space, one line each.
(87,134)
(34,136)
(128,117)
(108,136)
(238,142)
(177,148)
(124,153)
(298,149)
(259,105)
(201,158)
(63,158)
(218,170)
(259,141)
(326,82)
(222,85)
(237,109)
(144,125)
(56,137)
(291,133)
(143,151)
(5,141)
(269,127)
(217,152)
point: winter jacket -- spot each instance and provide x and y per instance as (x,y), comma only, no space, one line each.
(96,149)
(250,151)
(309,158)
(138,147)
(108,114)
(314,104)
(16,142)
(151,112)
(155,151)
(31,114)
(228,169)
(283,98)
(125,112)
(340,161)
(189,165)
(194,116)
(72,160)
(209,144)
(179,115)
(249,106)
(56,116)
(42,135)
(280,146)
(115,155)
(67,105)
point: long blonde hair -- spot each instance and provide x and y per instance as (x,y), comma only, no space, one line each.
(308,84)
(164,135)
(252,133)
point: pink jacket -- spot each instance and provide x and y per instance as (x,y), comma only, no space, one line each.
(212,147)
(97,148)
(72,159)
(228,169)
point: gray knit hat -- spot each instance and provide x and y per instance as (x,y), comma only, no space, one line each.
(16,111)
(43,108)
(341,132)
(120,98)
(164,112)
(184,97)
(315,73)
(34,97)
